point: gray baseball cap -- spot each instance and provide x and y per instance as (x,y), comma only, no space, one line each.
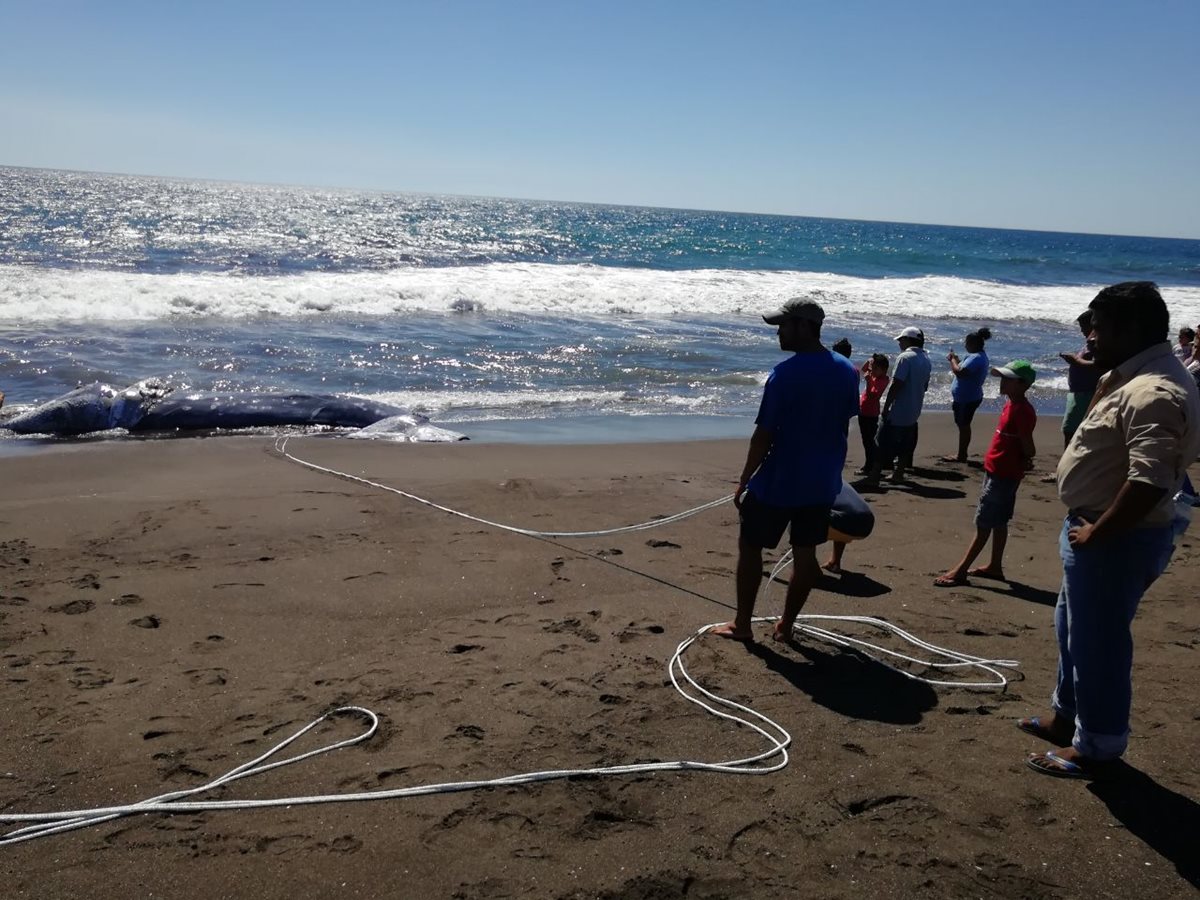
(797,308)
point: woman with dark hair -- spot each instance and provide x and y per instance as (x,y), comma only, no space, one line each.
(966,393)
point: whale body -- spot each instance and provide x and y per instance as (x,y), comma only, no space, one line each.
(151,406)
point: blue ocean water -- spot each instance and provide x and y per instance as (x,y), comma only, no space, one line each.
(507,311)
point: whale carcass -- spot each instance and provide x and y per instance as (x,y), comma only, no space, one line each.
(152,406)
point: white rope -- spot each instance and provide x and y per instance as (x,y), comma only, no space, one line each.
(772,759)
(281,447)
(777,738)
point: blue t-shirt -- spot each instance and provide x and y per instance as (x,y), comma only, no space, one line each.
(972,373)
(807,404)
(912,369)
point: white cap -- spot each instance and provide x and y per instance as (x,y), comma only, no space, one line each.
(912,332)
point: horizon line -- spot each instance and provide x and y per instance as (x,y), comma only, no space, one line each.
(688,209)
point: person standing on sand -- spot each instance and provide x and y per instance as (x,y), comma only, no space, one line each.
(1008,458)
(902,406)
(1083,373)
(793,470)
(1117,478)
(875,382)
(966,393)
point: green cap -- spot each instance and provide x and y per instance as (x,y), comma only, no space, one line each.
(1020,369)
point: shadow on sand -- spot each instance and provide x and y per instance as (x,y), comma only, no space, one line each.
(1166,821)
(1026,592)
(927,491)
(852,584)
(849,683)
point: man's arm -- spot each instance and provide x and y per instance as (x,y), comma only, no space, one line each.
(891,396)
(1075,359)
(1153,428)
(760,446)
(1134,502)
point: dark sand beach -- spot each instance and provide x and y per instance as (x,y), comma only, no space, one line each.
(170,609)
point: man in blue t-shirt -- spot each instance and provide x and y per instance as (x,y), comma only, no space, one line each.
(902,407)
(793,470)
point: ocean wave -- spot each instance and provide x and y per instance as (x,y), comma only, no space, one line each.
(30,295)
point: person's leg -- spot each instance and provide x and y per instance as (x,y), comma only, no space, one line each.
(868,427)
(1108,582)
(1058,725)
(805,575)
(908,446)
(995,568)
(963,424)
(762,526)
(749,577)
(964,441)
(885,450)
(958,574)
(834,564)
(1001,501)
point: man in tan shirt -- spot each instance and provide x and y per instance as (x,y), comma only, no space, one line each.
(1117,478)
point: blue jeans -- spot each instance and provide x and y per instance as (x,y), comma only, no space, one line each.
(1102,585)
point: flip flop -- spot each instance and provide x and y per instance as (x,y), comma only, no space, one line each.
(1050,763)
(943,581)
(1033,725)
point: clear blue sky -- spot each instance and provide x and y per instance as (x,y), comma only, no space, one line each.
(1078,116)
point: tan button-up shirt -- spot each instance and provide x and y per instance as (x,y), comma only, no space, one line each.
(1144,425)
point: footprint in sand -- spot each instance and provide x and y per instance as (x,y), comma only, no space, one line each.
(126,600)
(572,626)
(637,629)
(75,607)
(147,622)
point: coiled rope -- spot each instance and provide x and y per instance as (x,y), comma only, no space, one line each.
(772,759)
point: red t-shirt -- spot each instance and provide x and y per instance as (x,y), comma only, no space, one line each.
(869,404)
(1004,458)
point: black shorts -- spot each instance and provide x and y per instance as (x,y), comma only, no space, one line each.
(964,412)
(763,524)
(896,440)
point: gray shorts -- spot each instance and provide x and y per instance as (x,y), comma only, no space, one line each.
(997,501)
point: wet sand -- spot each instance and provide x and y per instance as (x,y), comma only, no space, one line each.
(170,609)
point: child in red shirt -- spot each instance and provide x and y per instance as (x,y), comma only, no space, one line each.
(1008,458)
(874,370)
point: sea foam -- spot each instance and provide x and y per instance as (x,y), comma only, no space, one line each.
(41,296)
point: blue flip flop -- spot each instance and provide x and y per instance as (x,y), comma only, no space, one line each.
(1050,763)
(1033,725)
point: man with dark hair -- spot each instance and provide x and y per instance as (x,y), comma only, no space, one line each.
(1117,477)
(793,470)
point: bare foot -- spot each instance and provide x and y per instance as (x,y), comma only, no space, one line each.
(729,631)
(832,567)
(783,633)
(988,572)
(953,578)
(954,459)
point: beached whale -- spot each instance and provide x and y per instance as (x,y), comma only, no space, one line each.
(153,406)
